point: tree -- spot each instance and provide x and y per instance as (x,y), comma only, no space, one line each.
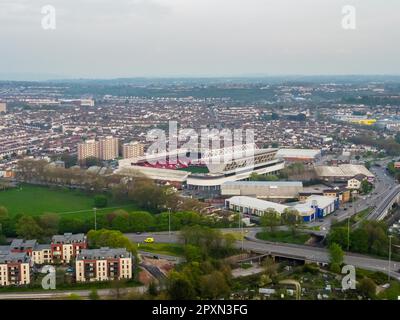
(214,286)
(192,253)
(3,213)
(49,223)
(366,187)
(209,241)
(100,201)
(147,195)
(338,235)
(28,228)
(120,223)
(110,238)
(92,161)
(179,287)
(270,220)
(69,160)
(270,267)
(141,221)
(367,288)
(93,295)
(291,218)
(152,290)
(359,241)
(69,224)
(336,255)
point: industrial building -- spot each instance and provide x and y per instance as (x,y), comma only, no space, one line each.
(343,172)
(307,156)
(278,190)
(313,208)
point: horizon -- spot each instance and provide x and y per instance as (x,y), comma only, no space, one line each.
(189,38)
(23,77)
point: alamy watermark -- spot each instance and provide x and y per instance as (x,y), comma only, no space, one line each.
(49,280)
(209,146)
(49,17)
(349,280)
(349,20)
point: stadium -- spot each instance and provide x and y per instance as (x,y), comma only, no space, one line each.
(204,170)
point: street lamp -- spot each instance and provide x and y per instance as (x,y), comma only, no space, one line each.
(348,232)
(95,218)
(390,256)
(169,222)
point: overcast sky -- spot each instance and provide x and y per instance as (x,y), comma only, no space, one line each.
(129,38)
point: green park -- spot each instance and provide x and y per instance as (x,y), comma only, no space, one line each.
(37,200)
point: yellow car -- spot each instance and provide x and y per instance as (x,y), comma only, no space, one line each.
(149,240)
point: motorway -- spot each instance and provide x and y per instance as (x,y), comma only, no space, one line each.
(309,253)
(383,190)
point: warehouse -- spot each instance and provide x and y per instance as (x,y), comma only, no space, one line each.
(278,190)
(307,156)
(313,208)
(253,206)
(343,172)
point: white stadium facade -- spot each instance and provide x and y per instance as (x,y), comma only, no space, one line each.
(223,165)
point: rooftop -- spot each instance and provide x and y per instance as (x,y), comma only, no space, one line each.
(13,257)
(294,153)
(68,238)
(265,183)
(103,253)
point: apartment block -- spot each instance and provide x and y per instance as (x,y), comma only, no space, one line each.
(62,249)
(103,264)
(3,107)
(14,268)
(132,149)
(42,254)
(88,149)
(65,248)
(108,148)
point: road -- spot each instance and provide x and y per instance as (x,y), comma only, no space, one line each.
(64,294)
(290,250)
(384,186)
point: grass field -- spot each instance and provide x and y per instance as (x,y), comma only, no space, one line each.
(172,249)
(194,169)
(36,200)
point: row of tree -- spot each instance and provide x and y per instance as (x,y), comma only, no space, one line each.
(272,219)
(44,226)
(205,275)
(371,237)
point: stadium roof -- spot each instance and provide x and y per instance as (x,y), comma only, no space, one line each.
(265,183)
(298,153)
(155,173)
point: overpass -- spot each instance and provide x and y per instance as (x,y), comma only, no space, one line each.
(319,256)
(289,251)
(387,203)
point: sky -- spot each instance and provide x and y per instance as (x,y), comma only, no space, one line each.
(167,38)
